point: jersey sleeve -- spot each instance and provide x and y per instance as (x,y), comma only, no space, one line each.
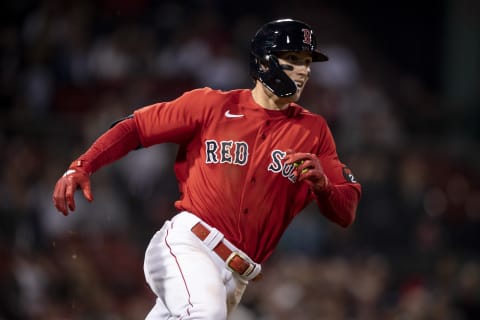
(174,121)
(336,171)
(339,204)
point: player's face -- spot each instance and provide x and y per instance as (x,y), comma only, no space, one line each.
(297,66)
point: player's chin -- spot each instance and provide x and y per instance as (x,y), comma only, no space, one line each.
(296,96)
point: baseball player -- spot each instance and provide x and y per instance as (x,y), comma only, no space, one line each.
(249,161)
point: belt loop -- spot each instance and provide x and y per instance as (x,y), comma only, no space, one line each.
(235,260)
(213,238)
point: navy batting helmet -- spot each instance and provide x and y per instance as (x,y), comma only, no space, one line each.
(280,36)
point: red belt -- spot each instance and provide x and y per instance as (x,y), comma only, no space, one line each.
(234,260)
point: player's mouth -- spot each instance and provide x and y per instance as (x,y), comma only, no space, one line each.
(299,84)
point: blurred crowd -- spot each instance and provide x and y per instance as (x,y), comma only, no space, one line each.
(71,68)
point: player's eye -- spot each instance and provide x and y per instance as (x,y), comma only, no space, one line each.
(297,59)
(292,58)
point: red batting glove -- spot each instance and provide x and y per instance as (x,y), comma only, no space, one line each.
(75,178)
(308,169)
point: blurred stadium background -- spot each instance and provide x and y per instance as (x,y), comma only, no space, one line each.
(401,93)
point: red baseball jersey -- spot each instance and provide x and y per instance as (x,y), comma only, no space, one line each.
(230,164)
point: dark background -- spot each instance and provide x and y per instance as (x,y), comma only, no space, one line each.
(400,93)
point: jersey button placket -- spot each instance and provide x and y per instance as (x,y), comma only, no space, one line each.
(263,136)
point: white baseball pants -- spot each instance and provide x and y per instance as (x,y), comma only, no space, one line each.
(189,279)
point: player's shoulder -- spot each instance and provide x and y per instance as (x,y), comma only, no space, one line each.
(209,97)
(216,93)
(307,114)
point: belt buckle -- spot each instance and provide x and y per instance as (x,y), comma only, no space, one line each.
(247,271)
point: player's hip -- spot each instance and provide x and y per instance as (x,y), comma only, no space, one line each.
(187,234)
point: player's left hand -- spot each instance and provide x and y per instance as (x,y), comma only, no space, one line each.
(308,169)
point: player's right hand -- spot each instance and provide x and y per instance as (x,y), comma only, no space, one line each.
(66,186)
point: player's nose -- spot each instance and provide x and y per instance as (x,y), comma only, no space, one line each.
(304,70)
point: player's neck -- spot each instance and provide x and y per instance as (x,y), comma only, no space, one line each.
(266,99)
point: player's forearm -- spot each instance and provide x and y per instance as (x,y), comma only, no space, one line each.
(111,146)
(339,203)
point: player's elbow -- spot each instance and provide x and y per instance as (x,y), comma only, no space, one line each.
(347,220)
(349,211)
(341,207)
(343,218)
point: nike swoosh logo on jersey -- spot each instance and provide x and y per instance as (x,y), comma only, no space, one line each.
(231,115)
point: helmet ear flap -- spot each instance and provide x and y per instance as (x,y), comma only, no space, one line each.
(274,78)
